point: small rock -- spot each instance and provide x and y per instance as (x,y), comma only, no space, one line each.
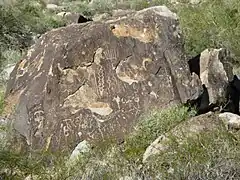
(73,18)
(81,148)
(32,177)
(213,66)
(5,74)
(232,121)
(3,121)
(61,14)
(126,178)
(52,6)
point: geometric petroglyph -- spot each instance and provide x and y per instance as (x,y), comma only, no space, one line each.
(128,72)
(37,120)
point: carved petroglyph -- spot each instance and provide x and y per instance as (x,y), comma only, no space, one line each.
(124,77)
(117,100)
(66,127)
(69,75)
(37,120)
(22,68)
(131,73)
(30,51)
(36,64)
(144,63)
(71,80)
(98,56)
(150,84)
(152,93)
(39,63)
(100,80)
(99,74)
(111,54)
(50,72)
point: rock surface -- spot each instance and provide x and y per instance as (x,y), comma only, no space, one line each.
(80,149)
(93,80)
(214,68)
(52,7)
(190,128)
(5,74)
(215,73)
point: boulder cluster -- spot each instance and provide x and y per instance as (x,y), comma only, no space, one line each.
(93,79)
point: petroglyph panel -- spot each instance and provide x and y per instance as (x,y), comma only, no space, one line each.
(95,79)
(37,121)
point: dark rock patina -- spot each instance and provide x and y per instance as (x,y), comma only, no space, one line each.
(93,80)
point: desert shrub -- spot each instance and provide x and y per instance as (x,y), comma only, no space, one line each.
(11,56)
(152,126)
(209,155)
(1,101)
(103,6)
(210,24)
(20,21)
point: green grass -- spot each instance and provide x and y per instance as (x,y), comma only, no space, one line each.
(11,56)
(212,155)
(1,101)
(209,155)
(152,126)
(117,159)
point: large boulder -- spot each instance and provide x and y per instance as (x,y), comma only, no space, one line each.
(231,121)
(93,80)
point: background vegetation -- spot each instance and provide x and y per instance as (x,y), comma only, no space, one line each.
(20,22)
(212,23)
